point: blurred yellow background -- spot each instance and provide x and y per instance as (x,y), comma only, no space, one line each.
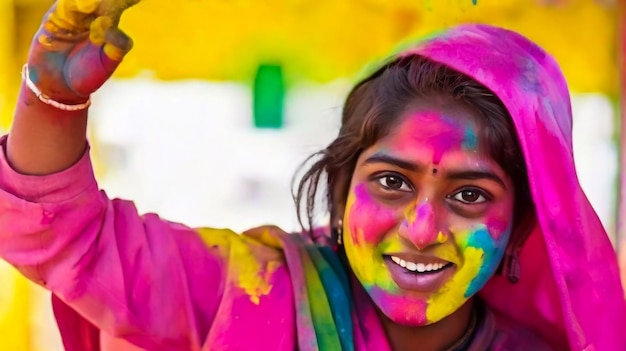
(322,40)
(315,41)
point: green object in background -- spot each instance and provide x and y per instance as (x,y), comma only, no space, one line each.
(269,96)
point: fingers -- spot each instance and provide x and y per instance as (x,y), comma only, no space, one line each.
(86,6)
(99,28)
(88,68)
(117,44)
(74,15)
(115,8)
(87,44)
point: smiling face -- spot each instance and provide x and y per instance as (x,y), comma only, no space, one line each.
(428,215)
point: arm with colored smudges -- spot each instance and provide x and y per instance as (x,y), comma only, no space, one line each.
(76,49)
(147,280)
(154,283)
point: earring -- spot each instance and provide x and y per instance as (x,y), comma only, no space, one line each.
(338,232)
(513,271)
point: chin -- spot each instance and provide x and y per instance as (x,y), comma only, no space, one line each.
(403,310)
(409,320)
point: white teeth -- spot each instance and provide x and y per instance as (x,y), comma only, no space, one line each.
(417,267)
(421,267)
(395,259)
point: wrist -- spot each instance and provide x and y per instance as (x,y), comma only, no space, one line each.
(77,104)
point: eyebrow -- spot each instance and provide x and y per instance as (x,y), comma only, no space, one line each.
(474,175)
(452,174)
(398,162)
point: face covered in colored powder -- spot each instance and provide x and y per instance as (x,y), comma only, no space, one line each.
(428,215)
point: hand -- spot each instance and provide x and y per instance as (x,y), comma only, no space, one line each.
(78,47)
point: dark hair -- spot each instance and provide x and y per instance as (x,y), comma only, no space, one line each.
(372,109)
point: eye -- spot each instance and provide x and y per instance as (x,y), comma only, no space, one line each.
(394,182)
(470,196)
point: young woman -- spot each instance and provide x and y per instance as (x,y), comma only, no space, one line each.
(457,221)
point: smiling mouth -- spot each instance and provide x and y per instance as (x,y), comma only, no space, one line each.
(419,274)
(420,267)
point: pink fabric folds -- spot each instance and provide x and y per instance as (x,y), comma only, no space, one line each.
(569,291)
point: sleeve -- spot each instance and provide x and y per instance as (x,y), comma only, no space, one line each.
(149,281)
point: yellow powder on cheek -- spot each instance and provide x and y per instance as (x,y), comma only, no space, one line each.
(356,253)
(441,238)
(244,266)
(367,264)
(452,295)
(364,257)
(410,214)
(384,279)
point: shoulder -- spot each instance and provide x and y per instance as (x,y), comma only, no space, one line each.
(252,262)
(261,244)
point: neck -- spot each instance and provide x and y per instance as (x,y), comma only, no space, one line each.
(433,337)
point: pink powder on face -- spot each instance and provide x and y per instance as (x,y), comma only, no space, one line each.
(440,132)
(421,227)
(497,226)
(368,217)
(402,309)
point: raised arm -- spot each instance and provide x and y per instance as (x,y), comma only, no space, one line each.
(149,281)
(154,283)
(76,49)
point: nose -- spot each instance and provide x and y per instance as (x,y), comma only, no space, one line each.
(419,226)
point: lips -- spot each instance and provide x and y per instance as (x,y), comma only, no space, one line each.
(419,273)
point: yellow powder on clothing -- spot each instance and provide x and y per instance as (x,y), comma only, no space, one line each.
(251,274)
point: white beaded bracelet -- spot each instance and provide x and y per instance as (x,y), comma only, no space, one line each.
(45,99)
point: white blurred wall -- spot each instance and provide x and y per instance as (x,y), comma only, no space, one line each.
(189,150)
(596,154)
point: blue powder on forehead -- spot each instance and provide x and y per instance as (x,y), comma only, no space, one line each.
(470,140)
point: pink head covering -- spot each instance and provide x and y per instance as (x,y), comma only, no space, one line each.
(569,290)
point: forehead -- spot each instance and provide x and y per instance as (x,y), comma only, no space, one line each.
(438,124)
